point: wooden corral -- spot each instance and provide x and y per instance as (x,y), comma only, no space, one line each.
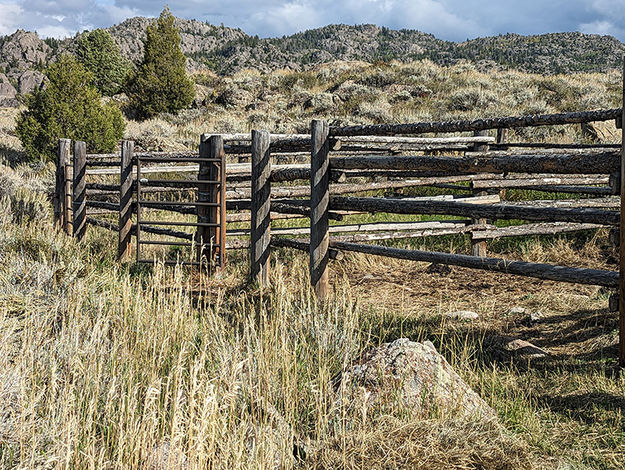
(340,163)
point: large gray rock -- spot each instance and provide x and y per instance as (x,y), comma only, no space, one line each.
(7,91)
(30,81)
(423,377)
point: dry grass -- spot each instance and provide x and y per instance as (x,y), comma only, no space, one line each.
(115,367)
(108,366)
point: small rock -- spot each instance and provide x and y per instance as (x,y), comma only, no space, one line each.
(520,347)
(532,318)
(435,268)
(516,311)
(424,378)
(463,315)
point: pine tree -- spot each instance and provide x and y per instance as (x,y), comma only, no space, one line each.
(101,56)
(69,107)
(161,83)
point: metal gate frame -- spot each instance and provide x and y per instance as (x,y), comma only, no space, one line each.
(210,206)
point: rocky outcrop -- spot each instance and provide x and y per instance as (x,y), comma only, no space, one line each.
(7,91)
(418,373)
(196,36)
(23,50)
(30,81)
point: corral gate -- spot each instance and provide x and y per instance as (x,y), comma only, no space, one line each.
(209,240)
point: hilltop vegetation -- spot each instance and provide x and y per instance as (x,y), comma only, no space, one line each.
(223,50)
(348,93)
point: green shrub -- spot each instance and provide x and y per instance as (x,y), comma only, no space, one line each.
(69,107)
(101,56)
(161,83)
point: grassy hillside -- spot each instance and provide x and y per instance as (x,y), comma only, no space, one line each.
(359,92)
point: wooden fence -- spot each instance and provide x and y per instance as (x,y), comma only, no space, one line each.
(319,175)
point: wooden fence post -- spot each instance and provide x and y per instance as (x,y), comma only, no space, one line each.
(211,147)
(125,201)
(622,238)
(478,248)
(502,134)
(261,203)
(319,205)
(61,210)
(79,203)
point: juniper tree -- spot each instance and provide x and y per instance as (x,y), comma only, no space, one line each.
(70,107)
(161,83)
(101,56)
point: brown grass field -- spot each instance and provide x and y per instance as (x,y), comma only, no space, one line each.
(109,366)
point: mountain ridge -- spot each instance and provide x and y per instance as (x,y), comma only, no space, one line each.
(227,50)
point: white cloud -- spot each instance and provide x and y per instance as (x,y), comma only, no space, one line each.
(54,31)
(447,19)
(601,27)
(10,16)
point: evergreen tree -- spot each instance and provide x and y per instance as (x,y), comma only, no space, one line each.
(68,107)
(161,83)
(101,56)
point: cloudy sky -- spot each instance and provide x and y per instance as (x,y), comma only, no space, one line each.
(447,19)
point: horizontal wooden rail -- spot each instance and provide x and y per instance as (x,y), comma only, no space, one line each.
(162,231)
(532,229)
(571,189)
(522,268)
(103,205)
(302,245)
(539,181)
(347,188)
(373,227)
(538,145)
(477,124)
(102,223)
(498,211)
(605,202)
(578,163)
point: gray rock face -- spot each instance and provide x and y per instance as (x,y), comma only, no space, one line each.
(23,50)
(423,377)
(8,93)
(196,36)
(30,80)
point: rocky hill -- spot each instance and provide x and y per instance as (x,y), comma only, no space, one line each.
(23,55)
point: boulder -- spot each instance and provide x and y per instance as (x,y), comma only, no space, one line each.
(30,81)
(424,379)
(234,97)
